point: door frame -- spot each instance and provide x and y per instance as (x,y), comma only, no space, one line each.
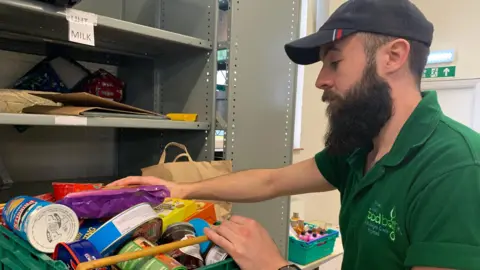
(454,84)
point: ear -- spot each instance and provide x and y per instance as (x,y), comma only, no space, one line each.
(396,55)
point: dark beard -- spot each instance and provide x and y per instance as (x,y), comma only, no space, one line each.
(356,119)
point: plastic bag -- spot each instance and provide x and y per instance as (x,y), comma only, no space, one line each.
(105,203)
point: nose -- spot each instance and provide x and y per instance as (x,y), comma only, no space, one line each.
(324,80)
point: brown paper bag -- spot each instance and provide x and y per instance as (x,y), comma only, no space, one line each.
(191,171)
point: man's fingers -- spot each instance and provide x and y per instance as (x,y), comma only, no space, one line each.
(219,240)
(127,181)
(231,225)
(240,219)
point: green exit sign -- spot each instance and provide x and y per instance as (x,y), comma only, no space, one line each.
(439,72)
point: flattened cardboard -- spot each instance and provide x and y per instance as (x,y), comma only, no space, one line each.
(77,103)
(71,110)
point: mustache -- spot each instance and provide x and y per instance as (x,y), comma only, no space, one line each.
(329,96)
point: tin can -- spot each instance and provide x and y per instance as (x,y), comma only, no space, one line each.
(215,254)
(41,223)
(118,230)
(88,227)
(72,254)
(137,244)
(188,256)
(162,262)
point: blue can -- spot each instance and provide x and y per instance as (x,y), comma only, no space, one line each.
(88,227)
(72,254)
(41,223)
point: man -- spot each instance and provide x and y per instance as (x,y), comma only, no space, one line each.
(409,176)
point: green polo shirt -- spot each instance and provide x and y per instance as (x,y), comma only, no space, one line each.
(420,204)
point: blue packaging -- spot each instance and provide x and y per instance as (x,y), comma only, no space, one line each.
(88,227)
(72,254)
(139,220)
(199,225)
(40,223)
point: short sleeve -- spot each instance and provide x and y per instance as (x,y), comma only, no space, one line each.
(443,222)
(333,168)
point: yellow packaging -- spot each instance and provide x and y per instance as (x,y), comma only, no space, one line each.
(175,210)
(187,117)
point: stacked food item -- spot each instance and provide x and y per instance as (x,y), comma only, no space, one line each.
(83,222)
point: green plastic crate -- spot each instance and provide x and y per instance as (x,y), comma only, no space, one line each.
(16,254)
(228,264)
(303,253)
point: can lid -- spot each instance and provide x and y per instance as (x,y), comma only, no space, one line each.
(177,225)
(50,225)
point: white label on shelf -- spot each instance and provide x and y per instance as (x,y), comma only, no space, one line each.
(70,120)
(80,17)
(81,26)
(81,33)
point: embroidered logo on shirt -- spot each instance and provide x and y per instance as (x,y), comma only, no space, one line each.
(380,222)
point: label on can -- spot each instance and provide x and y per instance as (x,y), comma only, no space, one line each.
(118,230)
(215,254)
(193,250)
(15,211)
(152,230)
(137,244)
(169,262)
(41,223)
(87,228)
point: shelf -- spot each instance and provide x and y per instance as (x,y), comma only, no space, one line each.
(34,20)
(112,122)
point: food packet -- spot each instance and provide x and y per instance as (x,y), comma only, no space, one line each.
(107,202)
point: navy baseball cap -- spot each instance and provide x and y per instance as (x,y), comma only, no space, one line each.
(396,18)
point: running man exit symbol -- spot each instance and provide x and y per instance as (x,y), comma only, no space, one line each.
(439,72)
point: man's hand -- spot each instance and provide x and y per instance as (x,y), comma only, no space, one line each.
(176,190)
(248,243)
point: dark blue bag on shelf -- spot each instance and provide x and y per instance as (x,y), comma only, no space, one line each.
(42,77)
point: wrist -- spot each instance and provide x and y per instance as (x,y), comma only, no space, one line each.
(186,191)
(280,263)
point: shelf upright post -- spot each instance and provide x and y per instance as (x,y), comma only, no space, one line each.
(189,85)
(261,100)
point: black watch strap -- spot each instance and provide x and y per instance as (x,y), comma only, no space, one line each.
(290,267)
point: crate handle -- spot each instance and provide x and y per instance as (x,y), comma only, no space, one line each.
(151,251)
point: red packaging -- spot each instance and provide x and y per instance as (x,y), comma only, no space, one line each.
(60,190)
(105,85)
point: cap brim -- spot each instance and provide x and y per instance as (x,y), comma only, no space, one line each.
(306,50)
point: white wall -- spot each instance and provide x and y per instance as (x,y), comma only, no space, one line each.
(455,28)
(314,125)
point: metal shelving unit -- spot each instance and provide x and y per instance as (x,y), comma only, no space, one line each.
(113,122)
(112,35)
(167,64)
(166,52)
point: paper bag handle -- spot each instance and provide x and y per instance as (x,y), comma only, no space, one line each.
(183,155)
(179,145)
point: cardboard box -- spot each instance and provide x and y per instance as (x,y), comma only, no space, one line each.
(80,103)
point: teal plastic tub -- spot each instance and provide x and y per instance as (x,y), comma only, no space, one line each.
(303,253)
(17,254)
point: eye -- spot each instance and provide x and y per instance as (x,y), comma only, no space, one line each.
(334,64)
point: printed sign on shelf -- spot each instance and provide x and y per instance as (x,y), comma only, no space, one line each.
(81,26)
